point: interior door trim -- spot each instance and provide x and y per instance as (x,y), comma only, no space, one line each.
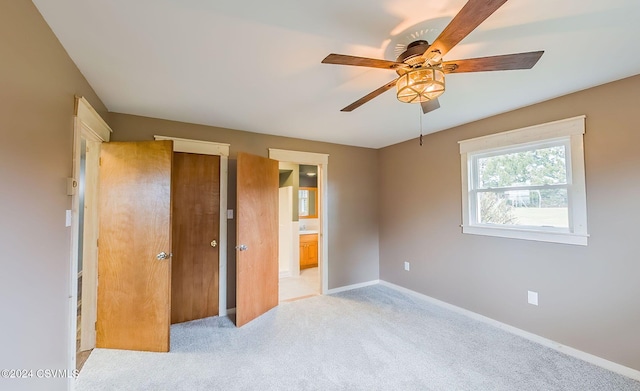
(88,126)
(219,149)
(322,161)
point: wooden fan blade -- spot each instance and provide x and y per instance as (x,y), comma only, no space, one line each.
(343,59)
(470,16)
(494,63)
(430,105)
(370,96)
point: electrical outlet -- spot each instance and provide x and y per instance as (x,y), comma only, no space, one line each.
(532,297)
(407,266)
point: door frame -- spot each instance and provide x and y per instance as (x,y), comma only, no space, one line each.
(87,125)
(218,149)
(322,161)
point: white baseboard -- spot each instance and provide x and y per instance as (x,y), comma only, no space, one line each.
(353,286)
(579,354)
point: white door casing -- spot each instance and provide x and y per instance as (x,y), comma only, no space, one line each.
(322,161)
(222,150)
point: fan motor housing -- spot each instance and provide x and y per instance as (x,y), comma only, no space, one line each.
(413,55)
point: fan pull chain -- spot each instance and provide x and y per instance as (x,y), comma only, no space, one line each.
(420,114)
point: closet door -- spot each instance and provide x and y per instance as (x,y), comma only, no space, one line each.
(195,221)
(134,246)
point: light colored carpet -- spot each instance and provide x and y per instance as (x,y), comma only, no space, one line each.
(373,338)
(306,284)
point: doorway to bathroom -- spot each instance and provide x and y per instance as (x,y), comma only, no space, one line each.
(302,225)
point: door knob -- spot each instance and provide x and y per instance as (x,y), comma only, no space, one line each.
(214,243)
(242,247)
(163,255)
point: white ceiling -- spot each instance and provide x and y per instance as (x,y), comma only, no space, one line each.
(254,65)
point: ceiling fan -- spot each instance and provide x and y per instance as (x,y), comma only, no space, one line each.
(420,68)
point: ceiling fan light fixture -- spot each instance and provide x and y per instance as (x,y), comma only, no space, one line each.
(420,85)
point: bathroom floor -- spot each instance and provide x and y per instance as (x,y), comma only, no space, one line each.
(305,285)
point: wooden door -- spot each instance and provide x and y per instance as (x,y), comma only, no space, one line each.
(195,224)
(257,237)
(134,285)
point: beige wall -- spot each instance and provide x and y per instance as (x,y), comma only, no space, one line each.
(352,190)
(38,81)
(589,296)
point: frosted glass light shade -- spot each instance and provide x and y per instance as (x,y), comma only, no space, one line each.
(420,85)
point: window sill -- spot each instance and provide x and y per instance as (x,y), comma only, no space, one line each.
(528,234)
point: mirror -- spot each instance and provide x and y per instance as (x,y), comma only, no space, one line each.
(308,202)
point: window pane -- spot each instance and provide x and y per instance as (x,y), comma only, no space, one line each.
(544,166)
(303,202)
(537,208)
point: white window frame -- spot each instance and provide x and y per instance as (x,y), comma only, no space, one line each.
(569,132)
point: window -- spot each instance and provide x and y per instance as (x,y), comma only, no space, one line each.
(303,202)
(307,202)
(526,183)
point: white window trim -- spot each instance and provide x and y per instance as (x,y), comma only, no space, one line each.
(571,128)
